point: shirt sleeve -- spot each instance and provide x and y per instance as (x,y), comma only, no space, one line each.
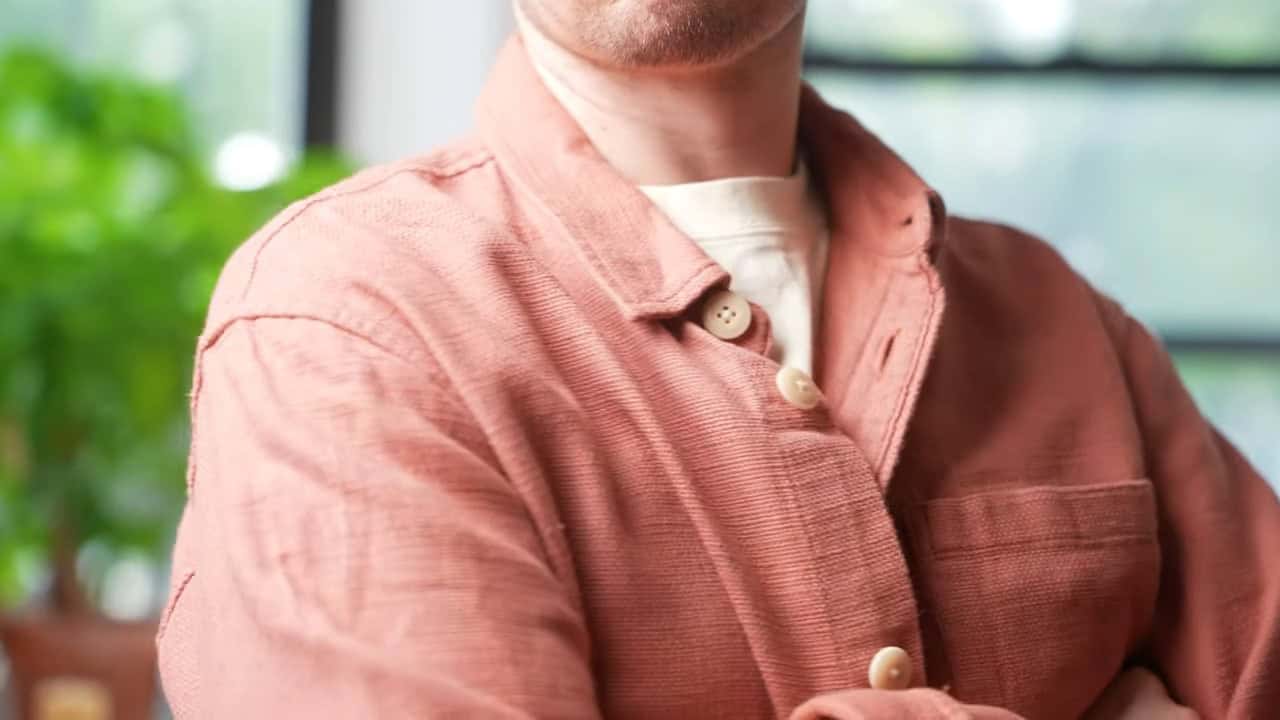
(350,549)
(1216,635)
(913,704)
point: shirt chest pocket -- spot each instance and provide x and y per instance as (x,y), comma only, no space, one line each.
(1040,593)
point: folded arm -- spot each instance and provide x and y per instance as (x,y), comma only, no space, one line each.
(1216,636)
(349,550)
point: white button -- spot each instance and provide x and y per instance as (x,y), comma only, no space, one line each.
(890,669)
(797,387)
(726,314)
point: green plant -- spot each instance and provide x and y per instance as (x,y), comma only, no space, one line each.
(111,238)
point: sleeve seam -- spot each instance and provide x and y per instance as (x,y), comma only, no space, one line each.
(211,336)
(435,375)
(178,592)
(307,205)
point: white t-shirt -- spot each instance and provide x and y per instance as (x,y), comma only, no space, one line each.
(770,233)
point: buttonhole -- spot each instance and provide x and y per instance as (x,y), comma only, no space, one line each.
(910,219)
(887,349)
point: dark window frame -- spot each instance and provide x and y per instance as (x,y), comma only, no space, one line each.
(819,59)
(322,91)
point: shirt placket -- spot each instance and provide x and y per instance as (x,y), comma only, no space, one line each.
(844,593)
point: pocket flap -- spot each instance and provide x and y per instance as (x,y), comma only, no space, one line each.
(1042,515)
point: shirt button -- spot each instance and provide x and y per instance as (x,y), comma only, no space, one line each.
(890,669)
(797,387)
(726,314)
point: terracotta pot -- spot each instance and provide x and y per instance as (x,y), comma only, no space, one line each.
(77,663)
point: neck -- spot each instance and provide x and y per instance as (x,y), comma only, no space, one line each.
(668,126)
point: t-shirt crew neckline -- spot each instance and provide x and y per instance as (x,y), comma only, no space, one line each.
(736,208)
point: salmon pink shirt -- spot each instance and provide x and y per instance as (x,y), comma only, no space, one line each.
(468,442)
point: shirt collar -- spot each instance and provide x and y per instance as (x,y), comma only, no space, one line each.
(653,270)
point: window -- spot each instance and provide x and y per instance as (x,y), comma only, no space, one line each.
(240,63)
(1139,136)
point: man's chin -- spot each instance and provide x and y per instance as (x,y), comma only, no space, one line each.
(660,34)
(676,34)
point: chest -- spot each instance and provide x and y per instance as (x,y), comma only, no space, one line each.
(731,549)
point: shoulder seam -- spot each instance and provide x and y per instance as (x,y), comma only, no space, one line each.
(211,337)
(300,210)
(463,164)
(460,165)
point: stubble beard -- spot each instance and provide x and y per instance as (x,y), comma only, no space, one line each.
(660,34)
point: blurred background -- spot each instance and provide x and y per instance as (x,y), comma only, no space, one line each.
(142,140)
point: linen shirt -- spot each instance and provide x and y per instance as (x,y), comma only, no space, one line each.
(463,447)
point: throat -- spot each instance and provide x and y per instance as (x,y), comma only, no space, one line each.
(665,127)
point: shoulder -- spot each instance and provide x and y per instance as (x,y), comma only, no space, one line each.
(1004,253)
(363,253)
(1006,272)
